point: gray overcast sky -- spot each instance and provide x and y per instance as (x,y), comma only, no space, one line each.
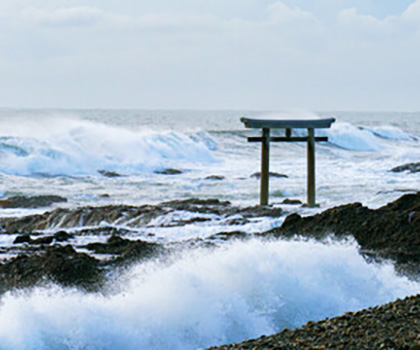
(211,54)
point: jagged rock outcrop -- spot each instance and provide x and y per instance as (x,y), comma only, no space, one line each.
(411,167)
(271,174)
(169,171)
(129,216)
(59,264)
(31,202)
(109,173)
(393,230)
(126,250)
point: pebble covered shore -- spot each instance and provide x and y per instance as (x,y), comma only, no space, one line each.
(394,326)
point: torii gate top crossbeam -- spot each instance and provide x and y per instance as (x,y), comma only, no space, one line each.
(301,123)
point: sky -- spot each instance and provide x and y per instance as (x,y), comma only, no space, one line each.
(319,55)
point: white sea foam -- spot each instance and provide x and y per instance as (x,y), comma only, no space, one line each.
(350,137)
(203,298)
(391,133)
(66,146)
(208,228)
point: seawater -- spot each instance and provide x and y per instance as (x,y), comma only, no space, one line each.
(60,152)
(200,297)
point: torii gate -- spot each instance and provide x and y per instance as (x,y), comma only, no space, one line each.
(266,124)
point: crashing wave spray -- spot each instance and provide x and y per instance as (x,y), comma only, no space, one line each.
(67,146)
(204,297)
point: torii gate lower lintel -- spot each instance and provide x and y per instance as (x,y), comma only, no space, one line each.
(288,124)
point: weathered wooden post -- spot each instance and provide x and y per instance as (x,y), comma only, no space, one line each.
(265,166)
(310,124)
(311,167)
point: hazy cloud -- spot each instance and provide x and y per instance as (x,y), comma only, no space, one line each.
(218,54)
(279,12)
(412,14)
(71,16)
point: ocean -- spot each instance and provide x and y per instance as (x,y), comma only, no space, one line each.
(199,297)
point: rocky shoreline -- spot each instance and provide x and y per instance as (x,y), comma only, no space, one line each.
(391,232)
(37,257)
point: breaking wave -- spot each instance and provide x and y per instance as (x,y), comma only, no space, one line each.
(350,137)
(203,297)
(391,133)
(66,146)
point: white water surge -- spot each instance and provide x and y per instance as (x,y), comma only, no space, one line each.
(71,146)
(203,297)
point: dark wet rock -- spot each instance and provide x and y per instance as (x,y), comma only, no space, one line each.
(177,204)
(291,201)
(196,205)
(104,195)
(114,245)
(215,177)
(261,211)
(271,174)
(175,223)
(20,225)
(127,251)
(191,221)
(411,167)
(236,221)
(392,231)
(62,236)
(387,327)
(39,261)
(43,240)
(58,264)
(169,171)
(31,202)
(222,208)
(230,235)
(103,231)
(129,216)
(109,173)
(85,216)
(138,251)
(58,237)
(22,239)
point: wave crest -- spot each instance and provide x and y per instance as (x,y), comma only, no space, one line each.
(77,147)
